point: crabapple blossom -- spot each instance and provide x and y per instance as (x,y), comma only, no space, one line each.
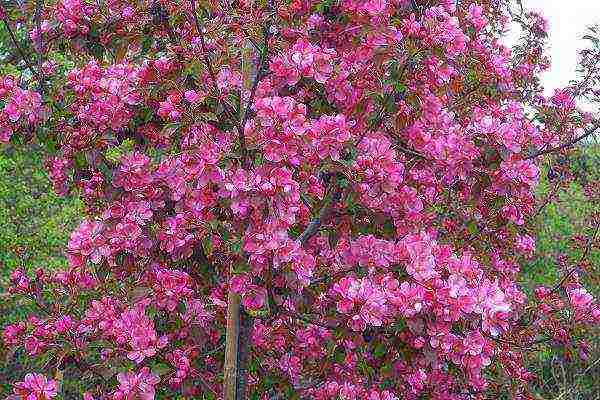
(136,385)
(342,193)
(36,387)
(20,109)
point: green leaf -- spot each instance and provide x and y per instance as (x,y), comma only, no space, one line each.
(147,114)
(240,267)
(380,350)
(400,87)
(472,227)
(385,369)
(160,369)
(114,154)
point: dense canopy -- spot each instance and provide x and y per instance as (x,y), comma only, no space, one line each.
(292,199)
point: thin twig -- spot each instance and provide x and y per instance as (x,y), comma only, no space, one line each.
(83,366)
(211,72)
(566,145)
(402,148)
(305,318)
(583,257)
(213,351)
(24,56)
(549,198)
(40,44)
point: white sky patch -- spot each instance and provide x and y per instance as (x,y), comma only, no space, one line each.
(568,23)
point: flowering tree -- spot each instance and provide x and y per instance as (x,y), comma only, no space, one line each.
(292,199)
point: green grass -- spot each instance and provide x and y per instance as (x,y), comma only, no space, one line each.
(35,225)
(34,219)
(556,224)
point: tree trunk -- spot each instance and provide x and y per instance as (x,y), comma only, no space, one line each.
(232,342)
(238,322)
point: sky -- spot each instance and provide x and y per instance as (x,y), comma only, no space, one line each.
(568,21)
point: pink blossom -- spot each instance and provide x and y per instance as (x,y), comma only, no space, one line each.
(36,387)
(136,385)
(476,16)
(228,79)
(525,244)
(193,96)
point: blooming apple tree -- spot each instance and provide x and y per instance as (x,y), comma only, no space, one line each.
(292,199)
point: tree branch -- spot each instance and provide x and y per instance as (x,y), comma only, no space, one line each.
(568,144)
(572,271)
(305,318)
(232,338)
(211,72)
(40,44)
(22,54)
(238,322)
(316,223)
(259,75)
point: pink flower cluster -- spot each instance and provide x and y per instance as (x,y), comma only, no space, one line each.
(134,173)
(350,391)
(22,108)
(175,237)
(280,126)
(272,244)
(138,385)
(519,172)
(131,328)
(246,188)
(170,287)
(172,108)
(227,79)
(459,296)
(181,362)
(441,28)
(304,60)
(476,14)
(372,8)
(373,212)
(106,97)
(584,305)
(36,387)
(87,242)
(328,136)
(73,17)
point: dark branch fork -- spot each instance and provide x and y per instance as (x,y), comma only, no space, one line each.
(574,269)
(38,16)
(209,67)
(21,52)
(315,224)
(566,145)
